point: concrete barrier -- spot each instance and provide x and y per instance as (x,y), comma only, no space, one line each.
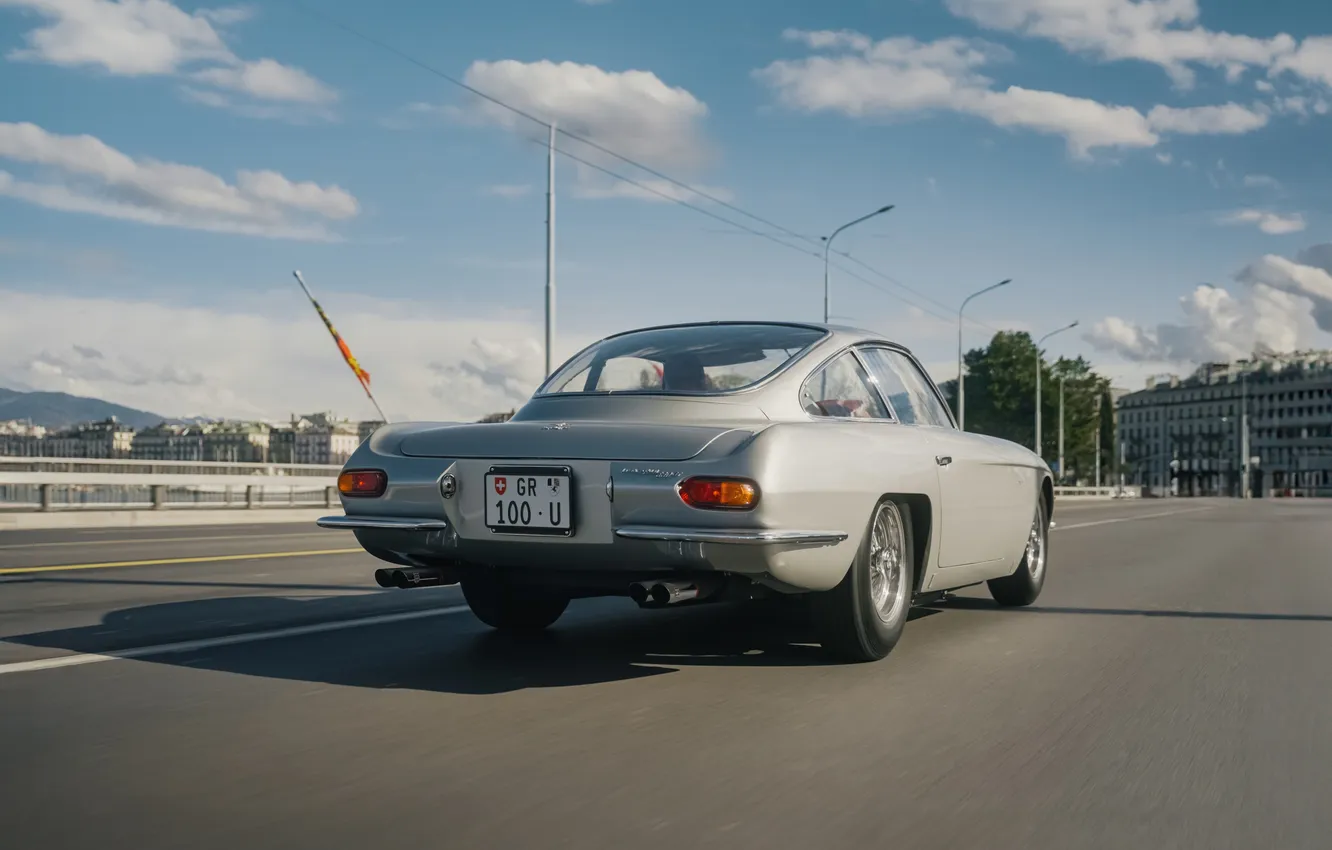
(36,520)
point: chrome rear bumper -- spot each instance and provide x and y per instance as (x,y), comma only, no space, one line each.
(761,536)
(393,523)
(743,536)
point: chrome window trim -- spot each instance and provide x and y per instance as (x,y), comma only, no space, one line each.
(929,382)
(823,364)
(742,536)
(739,391)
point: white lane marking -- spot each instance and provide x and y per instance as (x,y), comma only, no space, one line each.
(225,640)
(1129,518)
(316,533)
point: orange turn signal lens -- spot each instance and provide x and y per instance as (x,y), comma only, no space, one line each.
(362,482)
(725,493)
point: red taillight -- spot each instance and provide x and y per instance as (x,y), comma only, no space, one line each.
(724,493)
(362,482)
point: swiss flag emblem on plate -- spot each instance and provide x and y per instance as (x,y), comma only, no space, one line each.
(501,484)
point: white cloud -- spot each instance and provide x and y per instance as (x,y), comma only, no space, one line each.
(631,112)
(155,37)
(1086,124)
(1308,276)
(1268,222)
(1312,61)
(1164,158)
(228,15)
(272,360)
(92,177)
(1217,326)
(1227,119)
(902,75)
(268,80)
(1283,306)
(504,190)
(1261,181)
(1162,32)
(592,187)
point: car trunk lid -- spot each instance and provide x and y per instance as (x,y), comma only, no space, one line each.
(579,440)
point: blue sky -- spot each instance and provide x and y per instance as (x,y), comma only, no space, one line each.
(1110,159)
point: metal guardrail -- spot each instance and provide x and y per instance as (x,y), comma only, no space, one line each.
(46,484)
(127,466)
(1095,493)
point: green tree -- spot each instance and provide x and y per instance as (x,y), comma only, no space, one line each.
(1001,402)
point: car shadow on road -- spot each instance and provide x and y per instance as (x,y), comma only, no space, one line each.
(971,603)
(598,641)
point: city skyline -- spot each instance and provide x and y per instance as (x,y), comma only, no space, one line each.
(169,192)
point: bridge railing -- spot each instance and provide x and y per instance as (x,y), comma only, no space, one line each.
(1094,493)
(92,483)
(45,484)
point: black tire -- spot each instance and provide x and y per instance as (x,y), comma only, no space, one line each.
(846,617)
(512,608)
(1024,585)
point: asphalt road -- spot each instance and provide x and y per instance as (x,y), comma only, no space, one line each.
(1170,689)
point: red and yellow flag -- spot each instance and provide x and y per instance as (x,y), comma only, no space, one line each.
(361,375)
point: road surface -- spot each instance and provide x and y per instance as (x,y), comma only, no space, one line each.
(1170,689)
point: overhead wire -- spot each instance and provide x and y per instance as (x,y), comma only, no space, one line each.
(407,57)
(746,228)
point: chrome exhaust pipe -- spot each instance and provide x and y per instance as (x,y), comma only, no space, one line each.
(671,592)
(638,591)
(659,594)
(424,577)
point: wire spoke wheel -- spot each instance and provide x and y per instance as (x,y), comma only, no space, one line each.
(887,555)
(1036,547)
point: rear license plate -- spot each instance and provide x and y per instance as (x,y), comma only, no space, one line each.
(529,500)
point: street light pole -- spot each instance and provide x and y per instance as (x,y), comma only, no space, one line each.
(1061,429)
(1038,382)
(550,246)
(1244,434)
(961,387)
(827,245)
(1098,440)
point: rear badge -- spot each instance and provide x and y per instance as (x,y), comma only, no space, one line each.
(557,426)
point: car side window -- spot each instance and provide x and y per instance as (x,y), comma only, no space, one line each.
(842,389)
(906,389)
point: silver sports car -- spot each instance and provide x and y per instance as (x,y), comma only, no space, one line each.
(713,461)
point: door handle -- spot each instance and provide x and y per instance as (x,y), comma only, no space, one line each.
(943,460)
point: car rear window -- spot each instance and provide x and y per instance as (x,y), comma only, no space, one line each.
(695,359)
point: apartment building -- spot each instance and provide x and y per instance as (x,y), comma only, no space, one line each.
(106,439)
(1187,436)
(20,438)
(168,442)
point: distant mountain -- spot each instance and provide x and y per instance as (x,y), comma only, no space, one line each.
(61,410)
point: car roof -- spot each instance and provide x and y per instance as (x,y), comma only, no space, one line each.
(840,335)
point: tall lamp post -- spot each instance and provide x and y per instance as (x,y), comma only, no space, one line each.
(1038,382)
(827,245)
(961,387)
(1061,429)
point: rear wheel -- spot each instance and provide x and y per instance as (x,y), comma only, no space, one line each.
(1024,585)
(512,608)
(862,618)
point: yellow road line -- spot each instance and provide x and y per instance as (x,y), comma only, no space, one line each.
(166,561)
(323,532)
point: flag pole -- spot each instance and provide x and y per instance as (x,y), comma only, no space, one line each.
(362,376)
